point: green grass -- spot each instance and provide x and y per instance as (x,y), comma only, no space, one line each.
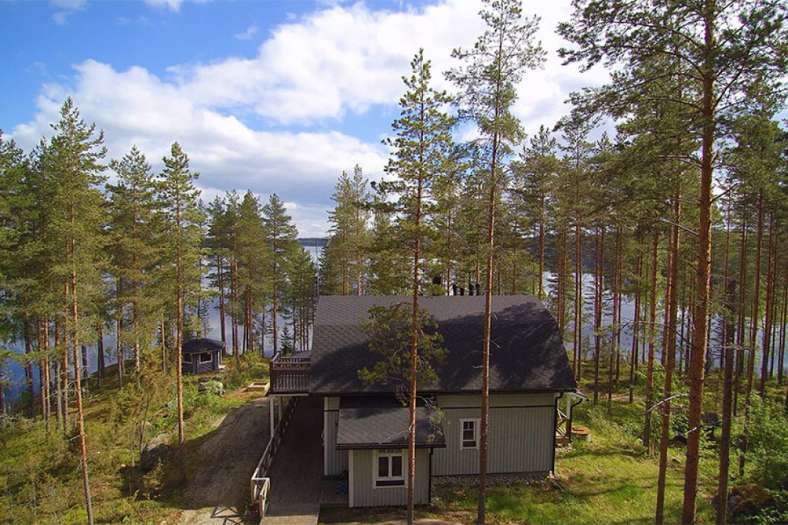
(40,477)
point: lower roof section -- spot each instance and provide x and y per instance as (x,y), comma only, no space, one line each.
(374,423)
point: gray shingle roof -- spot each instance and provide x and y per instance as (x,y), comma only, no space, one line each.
(202,344)
(381,423)
(526,352)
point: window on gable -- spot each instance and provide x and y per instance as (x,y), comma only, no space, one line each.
(389,469)
(469,437)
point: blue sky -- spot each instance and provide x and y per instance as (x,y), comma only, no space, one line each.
(264,95)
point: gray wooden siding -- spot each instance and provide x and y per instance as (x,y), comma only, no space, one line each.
(196,367)
(521,434)
(366,495)
(334,461)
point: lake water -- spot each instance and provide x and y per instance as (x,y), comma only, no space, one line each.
(16,373)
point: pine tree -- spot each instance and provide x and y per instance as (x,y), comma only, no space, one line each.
(486,83)
(135,248)
(349,230)
(420,146)
(252,255)
(74,154)
(533,175)
(712,66)
(181,216)
(280,236)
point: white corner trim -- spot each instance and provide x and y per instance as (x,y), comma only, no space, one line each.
(350,478)
(325,436)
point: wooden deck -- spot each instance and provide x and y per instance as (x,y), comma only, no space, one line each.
(290,374)
(296,471)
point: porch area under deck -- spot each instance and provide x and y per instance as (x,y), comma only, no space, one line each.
(290,374)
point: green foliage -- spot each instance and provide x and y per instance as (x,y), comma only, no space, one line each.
(136,247)
(767,452)
(344,267)
(389,329)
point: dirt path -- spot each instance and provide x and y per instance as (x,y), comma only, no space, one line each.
(218,491)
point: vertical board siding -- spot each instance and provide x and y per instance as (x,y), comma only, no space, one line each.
(521,434)
(366,495)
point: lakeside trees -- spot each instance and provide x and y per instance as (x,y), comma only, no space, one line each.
(681,212)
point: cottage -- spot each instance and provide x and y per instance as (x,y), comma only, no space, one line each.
(364,427)
(202,355)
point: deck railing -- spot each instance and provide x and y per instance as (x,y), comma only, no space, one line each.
(290,374)
(260,483)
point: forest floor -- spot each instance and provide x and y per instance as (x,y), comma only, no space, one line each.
(610,479)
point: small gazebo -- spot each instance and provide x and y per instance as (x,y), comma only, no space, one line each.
(202,355)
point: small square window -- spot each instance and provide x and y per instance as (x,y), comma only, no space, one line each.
(205,358)
(469,435)
(388,471)
(187,358)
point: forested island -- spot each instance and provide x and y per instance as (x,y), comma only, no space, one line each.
(650,221)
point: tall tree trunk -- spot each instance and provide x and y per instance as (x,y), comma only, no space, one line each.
(42,341)
(274,304)
(635,330)
(753,335)
(119,349)
(728,351)
(234,306)
(725,278)
(100,352)
(703,270)
(41,373)
(652,335)
(767,323)
(64,379)
(578,336)
(561,299)
(220,277)
(682,321)
(58,383)
(414,338)
(540,277)
(617,298)
(783,322)
(600,243)
(83,447)
(485,408)
(31,399)
(669,349)
(742,284)
(179,292)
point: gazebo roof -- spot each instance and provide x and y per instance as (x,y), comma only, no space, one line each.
(202,344)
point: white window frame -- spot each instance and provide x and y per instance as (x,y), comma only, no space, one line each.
(476,429)
(187,358)
(375,474)
(209,360)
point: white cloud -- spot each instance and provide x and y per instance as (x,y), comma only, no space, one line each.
(172,5)
(152,113)
(248,33)
(65,9)
(68,4)
(314,69)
